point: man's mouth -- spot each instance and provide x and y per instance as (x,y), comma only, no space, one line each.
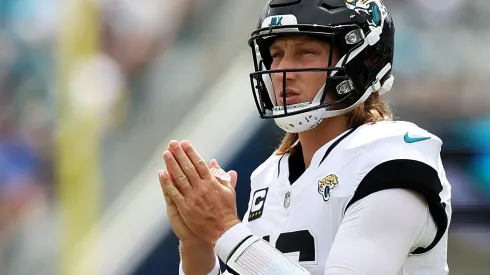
(292,97)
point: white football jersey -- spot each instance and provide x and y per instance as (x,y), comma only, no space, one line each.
(301,219)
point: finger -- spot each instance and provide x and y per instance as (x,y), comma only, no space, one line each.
(213,163)
(172,208)
(184,162)
(234,178)
(180,179)
(172,179)
(220,174)
(168,200)
(200,165)
(170,190)
(222,177)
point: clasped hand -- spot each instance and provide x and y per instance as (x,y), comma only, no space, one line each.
(201,200)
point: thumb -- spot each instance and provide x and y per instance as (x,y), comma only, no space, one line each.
(214,164)
(234,177)
(218,172)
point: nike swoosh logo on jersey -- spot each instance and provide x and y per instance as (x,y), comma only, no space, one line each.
(409,139)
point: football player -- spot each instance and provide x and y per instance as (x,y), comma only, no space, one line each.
(348,191)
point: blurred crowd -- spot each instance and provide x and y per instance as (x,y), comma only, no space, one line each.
(130,33)
(442,85)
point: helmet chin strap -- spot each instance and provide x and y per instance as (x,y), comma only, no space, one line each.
(304,121)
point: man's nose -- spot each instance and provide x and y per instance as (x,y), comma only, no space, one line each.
(286,63)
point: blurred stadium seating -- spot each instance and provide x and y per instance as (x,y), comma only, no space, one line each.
(166,69)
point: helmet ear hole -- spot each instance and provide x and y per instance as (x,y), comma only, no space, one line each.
(331,86)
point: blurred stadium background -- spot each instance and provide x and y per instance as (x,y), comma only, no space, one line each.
(91,91)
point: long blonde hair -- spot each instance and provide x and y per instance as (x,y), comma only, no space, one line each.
(371,111)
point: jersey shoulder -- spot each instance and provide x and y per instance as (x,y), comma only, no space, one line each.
(269,166)
(401,155)
(394,140)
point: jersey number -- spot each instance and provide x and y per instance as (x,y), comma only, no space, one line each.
(297,241)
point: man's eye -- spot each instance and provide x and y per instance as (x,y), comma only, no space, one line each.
(303,52)
(276,55)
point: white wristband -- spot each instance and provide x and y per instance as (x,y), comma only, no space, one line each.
(230,240)
(256,256)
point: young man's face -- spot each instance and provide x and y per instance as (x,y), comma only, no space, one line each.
(296,52)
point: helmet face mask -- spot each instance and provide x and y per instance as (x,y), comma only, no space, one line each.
(261,79)
(364,65)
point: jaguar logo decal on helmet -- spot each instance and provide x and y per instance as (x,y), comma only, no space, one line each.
(374,10)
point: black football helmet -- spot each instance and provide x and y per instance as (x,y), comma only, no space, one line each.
(361,31)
